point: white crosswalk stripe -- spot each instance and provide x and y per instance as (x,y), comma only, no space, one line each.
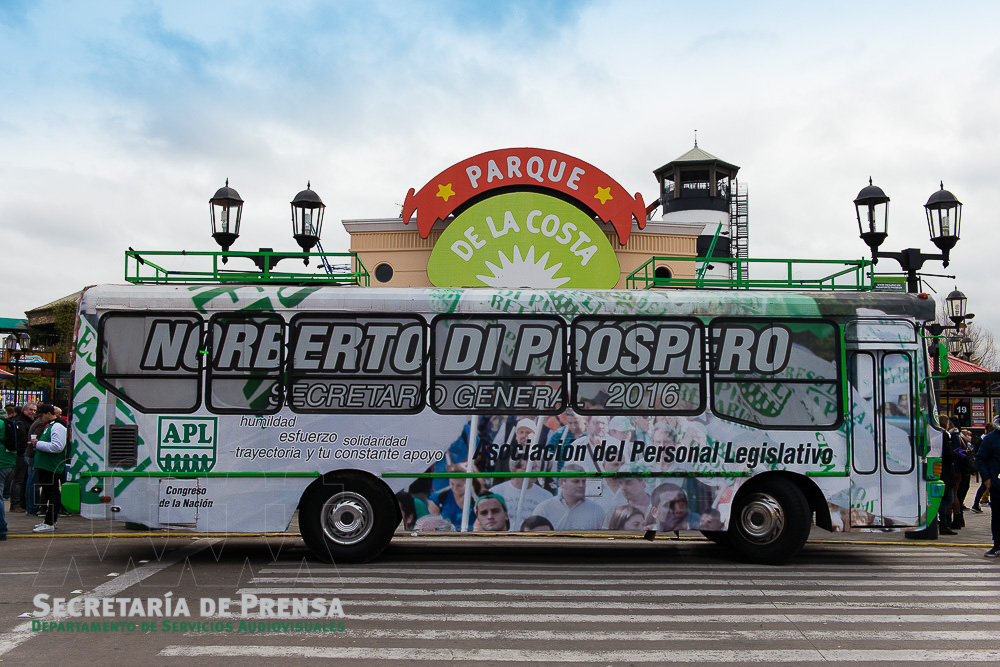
(929,606)
(660,657)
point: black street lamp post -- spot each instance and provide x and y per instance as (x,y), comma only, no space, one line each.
(307,223)
(955,309)
(961,344)
(961,347)
(967,345)
(226,208)
(307,219)
(944,217)
(16,345)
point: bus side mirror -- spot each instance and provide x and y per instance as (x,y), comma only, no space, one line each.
(942,354)
(937,351)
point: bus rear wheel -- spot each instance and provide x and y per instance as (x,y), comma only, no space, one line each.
(347,518)
(770,522)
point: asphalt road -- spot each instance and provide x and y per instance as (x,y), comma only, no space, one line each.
(864,599)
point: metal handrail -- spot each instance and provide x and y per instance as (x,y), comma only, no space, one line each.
(854,275)
(146,267)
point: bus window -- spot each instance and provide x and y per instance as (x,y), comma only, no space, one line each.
(358,365)
(644,366)
(878,330)
(510,364)
(247,353)
(863,439)
(151,360)
(778,373)
(897,414)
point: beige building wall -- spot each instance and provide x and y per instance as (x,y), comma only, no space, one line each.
(398,246)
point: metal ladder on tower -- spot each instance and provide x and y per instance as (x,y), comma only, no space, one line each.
(738,223)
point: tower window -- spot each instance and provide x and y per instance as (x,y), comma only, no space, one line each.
(383,273)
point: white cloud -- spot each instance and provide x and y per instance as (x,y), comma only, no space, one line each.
(120,120)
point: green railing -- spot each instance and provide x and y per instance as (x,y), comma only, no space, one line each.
(147,267)
(769,274)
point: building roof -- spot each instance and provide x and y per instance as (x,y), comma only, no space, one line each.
(69,298)
(12,325)
(960,366)
(45,315)
(694,156)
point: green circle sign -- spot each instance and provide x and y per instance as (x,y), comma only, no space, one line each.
(523,239)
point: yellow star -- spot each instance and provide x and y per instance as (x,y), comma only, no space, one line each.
(445,191)
(604,194)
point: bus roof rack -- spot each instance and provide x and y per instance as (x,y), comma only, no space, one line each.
(769,274)
(209,268)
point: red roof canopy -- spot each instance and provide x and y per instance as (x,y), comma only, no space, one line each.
(956,365)
(960,366)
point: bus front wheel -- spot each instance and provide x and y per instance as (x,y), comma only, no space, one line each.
(770,522)
(347,518)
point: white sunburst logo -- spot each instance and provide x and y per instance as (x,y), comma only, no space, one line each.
(523,271)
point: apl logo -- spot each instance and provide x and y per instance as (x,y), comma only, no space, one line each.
(186,444)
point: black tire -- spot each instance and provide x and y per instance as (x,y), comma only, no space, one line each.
(770,522)
(720,537)
(347,518)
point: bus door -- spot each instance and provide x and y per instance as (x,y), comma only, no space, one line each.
(882,413)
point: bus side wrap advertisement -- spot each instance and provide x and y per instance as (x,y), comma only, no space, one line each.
(229,407)
(752,371)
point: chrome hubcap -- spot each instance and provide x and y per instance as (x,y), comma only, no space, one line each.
(347,518)
(762,519)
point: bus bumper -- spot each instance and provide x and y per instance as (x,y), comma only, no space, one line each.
(935,494)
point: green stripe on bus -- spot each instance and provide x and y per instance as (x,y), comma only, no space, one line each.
(195,475)
(504,475)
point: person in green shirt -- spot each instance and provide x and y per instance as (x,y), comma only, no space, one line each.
(50,461)
(8,459)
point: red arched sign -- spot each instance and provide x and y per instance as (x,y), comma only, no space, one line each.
(533,167)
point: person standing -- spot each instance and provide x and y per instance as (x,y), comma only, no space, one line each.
(50,461)
(11,489)
(981,492)
(20,499)
(947,476)
(988,463)
(8,459)
(32,427)
(965,467)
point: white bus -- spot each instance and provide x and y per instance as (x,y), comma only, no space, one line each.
(747,415)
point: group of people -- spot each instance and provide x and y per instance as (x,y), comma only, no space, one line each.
(526,503)
(988,467)
(958,464)
(31,474)
(961,459)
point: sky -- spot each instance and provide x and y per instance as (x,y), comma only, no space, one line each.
(119,120)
